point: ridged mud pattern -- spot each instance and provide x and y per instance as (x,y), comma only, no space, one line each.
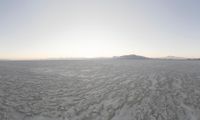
(100,90)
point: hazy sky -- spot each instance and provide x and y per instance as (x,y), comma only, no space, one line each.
(99,28)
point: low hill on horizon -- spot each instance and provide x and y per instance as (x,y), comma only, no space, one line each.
(131,56)
(174,58)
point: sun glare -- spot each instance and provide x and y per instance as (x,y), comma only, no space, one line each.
(91,43)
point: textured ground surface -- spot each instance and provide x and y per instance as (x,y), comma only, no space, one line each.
(100,90)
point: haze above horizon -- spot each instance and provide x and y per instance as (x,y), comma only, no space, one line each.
(40,29)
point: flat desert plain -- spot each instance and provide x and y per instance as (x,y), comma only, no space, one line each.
(104,89)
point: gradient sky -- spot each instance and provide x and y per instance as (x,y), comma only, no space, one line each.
(32,29)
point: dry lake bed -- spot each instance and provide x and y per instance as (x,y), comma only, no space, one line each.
(103,89)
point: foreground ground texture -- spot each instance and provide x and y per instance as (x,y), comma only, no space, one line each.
(100,90)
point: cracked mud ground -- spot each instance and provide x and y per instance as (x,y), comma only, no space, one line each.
(100,90)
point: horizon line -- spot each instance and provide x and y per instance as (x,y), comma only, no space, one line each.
(83,58)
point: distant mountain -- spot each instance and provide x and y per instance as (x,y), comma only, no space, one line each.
(193,59)
(174,58)
(131,56)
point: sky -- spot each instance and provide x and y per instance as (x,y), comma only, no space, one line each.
(39,29)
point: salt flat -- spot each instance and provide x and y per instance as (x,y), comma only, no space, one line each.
(100,90)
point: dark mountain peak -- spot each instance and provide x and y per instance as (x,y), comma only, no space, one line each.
(131,56)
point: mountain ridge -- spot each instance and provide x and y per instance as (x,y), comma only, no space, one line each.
(131,56)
